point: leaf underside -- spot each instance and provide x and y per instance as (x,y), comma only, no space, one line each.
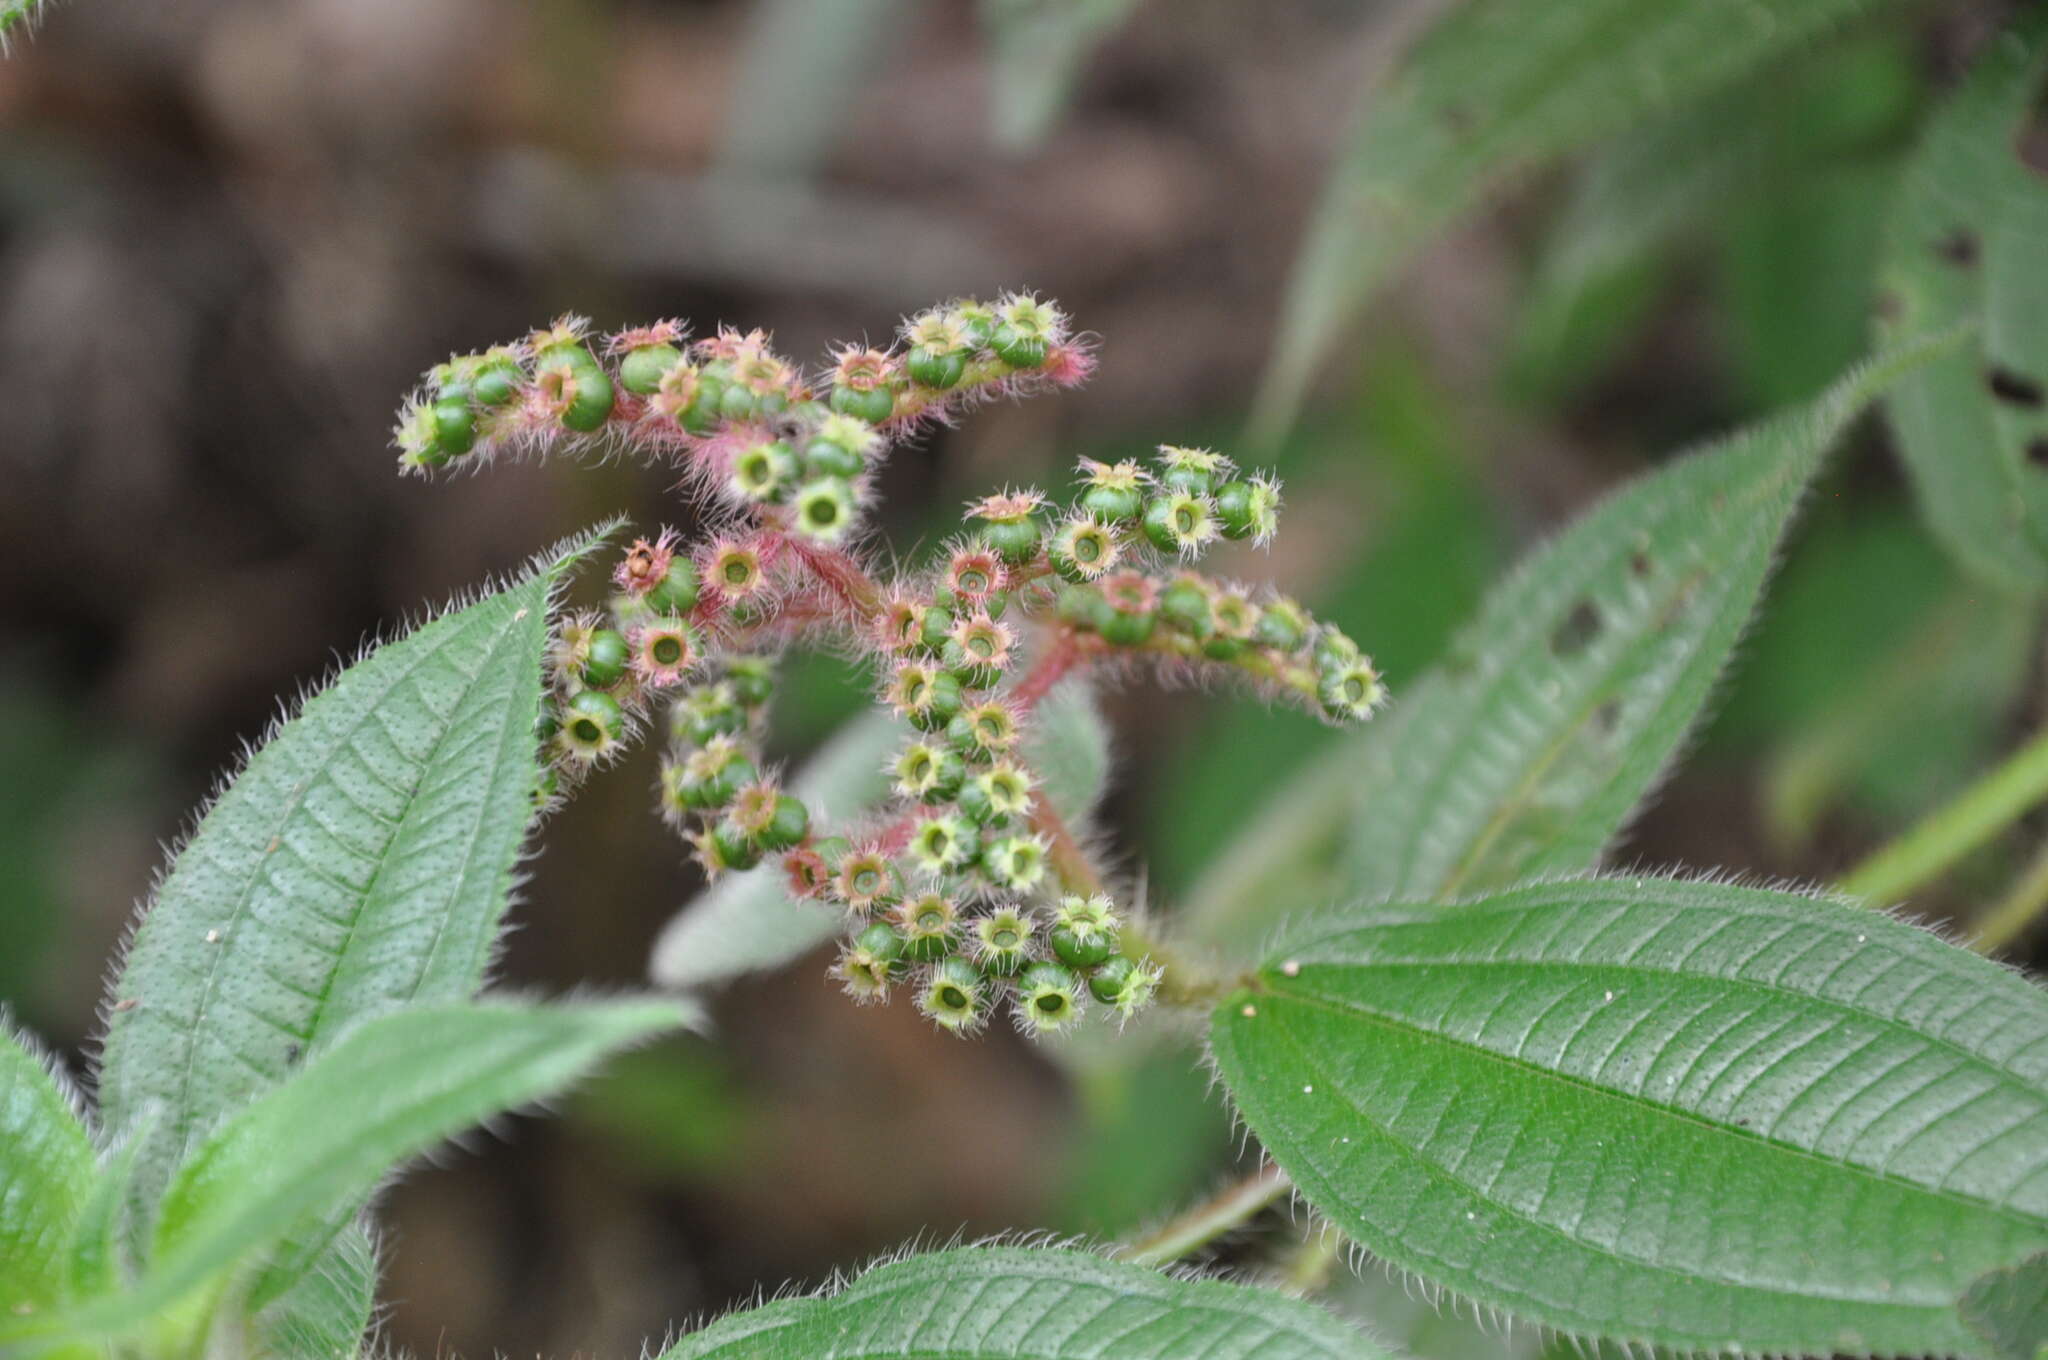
(46,1177)
(1555,712)
(1966,243)
(1683,1113)
(1012,1303)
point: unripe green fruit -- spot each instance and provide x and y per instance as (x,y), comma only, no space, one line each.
(953,995)
(736,403)
(978,320)
(1082,607)
(1194,481)
(937,703)
(1123,628)
(970,672)
(825,508)
(676,593)
(1002,942)
(929,926)
(496,383)
(1114,504)
(1177,521)
(874,405)
(1014,540)
(831,849)
(1282,626)
(642,370)
(789,824)
(939,371)
(703,415)
(1081,948)
(454,425)
(1245,509)
(588,387)
(733,847)
(604,663)
(937,622)
(882,941)
(594,718)
(752,679)
(765,471)
(1110,978)
(1017,348)
(1184,606)
(1048,998)
(826,458)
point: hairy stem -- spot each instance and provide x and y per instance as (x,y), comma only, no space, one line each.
(1196,1227)
(1954,830)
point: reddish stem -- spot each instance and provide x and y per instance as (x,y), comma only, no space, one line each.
(1049,670)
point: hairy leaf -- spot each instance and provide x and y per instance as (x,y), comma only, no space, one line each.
(46,1177)
(327,1312)
(362,859)
(1555,712)
(1966,243)
(1683,1113)
(389,1089)
(748,922)
(1012,1303)
(1495,86)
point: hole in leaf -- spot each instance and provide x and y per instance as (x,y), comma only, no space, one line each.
(2016,388)
(1577,631)
(1959,247)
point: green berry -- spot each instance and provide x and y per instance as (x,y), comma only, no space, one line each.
(1248,509)
(867,881)
(642,370)
(929,773)
(1080,607)
(765,472)
(942,844)
(933,626)
(1193,471)
(1048,998)
(930,927)
(1178,522)
(496,381)
(825,509)
(1082,550)
(1350,691)
(789,821)
(830,458)
(871,963)
(605,659)
(571,374)
(935,369)
(594,720)
(1014,538)
(1084,931)
(874,405)
(1016,863)
(676,593)
(732,847)
(1235,619)
(1184,607)
(1002,942)
(703,414)
(705,712)
(1283,625)
(454,425)
(954,996)
(1110,977)
(1125,984)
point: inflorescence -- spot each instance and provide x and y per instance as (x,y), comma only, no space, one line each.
(968,887)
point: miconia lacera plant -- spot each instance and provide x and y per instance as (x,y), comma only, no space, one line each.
(1670,1112)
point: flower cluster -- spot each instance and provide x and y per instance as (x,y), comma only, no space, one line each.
(968,886)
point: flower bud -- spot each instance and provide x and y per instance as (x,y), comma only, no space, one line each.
(974,574)
(771,819)
(1048,999)
(934,623)
(927,696)
(954,996)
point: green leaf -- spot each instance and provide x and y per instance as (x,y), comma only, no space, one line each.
(361,860)
(1012,1303)
(1682,1113)
(325,1314)
(1526,750)
(748,922)
(46,1176)
(2009,1309)
(388,1090)
(1965,244)
(1495,86)
(1037,49)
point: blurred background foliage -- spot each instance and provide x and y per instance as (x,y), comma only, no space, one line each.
(233,231)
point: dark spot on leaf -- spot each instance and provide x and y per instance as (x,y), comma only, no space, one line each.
(2037,451)
(1959,247)
(291,1054)
(2016,388)
(1607,718)
(1888,307)
(1639,564)
(1577,631)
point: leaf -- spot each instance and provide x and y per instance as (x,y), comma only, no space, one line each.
(324,1315)
(1495,86)
(1681,1113)
(1965,243)
(2009,1309)
(388,1090)
(748,922)
(1037,49)
(1525,751)
(46,1176)
(1012,1303)
(361,860)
